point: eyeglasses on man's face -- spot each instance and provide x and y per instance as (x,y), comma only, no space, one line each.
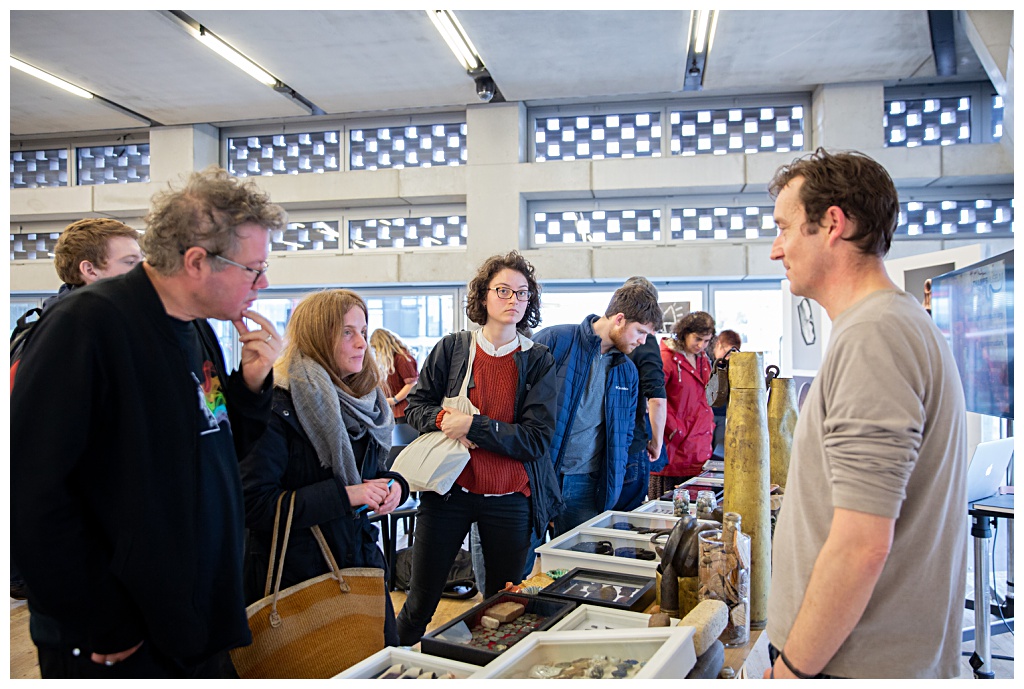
(257,273)
(505,293)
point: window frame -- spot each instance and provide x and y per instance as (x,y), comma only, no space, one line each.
(343,127)
(665,107)
(980,93)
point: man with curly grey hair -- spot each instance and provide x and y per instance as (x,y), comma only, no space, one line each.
(128,521)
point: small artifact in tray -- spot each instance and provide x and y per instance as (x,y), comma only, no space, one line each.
(610,589)
(594,667)
(505,612)
(506,634)
(399,671)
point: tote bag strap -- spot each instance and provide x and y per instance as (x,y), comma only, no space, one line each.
(469,365)
(273,546)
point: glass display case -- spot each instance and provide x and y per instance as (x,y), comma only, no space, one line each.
(600,549)
(630,523)
(477,637)
(654,653)
(586,618)
(386,659)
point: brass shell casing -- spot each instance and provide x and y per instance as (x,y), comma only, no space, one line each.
(747,472)
(782,414)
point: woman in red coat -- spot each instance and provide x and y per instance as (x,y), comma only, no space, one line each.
(690,426)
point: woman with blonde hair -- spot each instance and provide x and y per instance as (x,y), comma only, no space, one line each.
(398,367)
(327,441)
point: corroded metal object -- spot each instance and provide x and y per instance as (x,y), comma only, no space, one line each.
(782,413)
(747,471)
(677,583)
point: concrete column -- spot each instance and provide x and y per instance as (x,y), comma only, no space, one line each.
(990,33)
(495,210)
(177,151)
(848,116)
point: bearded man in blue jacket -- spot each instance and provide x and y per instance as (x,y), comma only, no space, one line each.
(597,394)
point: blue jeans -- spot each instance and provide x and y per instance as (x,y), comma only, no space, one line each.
(441,526)
(634,485)
(579,495)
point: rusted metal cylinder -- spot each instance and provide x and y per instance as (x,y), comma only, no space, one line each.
(782,413)
(747,471)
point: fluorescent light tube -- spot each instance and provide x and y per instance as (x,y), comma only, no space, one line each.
(49,78)
(234,57)
(702,30)
(714,25)
(455,36)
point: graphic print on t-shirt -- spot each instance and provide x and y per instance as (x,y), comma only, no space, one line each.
(211,399)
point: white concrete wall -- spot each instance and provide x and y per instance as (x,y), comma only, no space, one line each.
(496,185)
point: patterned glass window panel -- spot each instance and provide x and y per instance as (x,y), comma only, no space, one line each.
(44,168)
(927,121)
(284,154)
(413,146)
(596,227)
(428,232)
(33,246)
(737,130)
(120,164)
(596,137)
(997,117)
(980,216)
(318,235)
(723,222)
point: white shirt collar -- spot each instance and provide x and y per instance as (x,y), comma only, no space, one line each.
(489,349)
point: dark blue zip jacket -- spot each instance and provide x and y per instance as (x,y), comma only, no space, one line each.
(574,348)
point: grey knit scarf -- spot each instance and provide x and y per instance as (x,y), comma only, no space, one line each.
(332,418)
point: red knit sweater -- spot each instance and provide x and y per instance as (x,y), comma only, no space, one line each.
(494,394)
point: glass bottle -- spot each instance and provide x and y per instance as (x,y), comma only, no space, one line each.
(724,574)
(706,504)
(681,501)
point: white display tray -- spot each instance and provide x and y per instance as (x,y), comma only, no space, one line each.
(605,520)
(555,554)
(659,507)
(667,652)
(386,657)
(583,616)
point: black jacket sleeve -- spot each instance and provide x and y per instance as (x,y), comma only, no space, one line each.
(264,472)
(59,418)
(431,388)
(530,437)
(650,369)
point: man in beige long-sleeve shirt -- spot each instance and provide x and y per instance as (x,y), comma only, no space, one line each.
(869,560)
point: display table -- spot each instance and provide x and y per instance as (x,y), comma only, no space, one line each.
(748,661)
(983,512)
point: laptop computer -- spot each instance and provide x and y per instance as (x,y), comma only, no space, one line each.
(988,468)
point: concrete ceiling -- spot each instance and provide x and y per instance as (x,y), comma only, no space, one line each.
(392,61)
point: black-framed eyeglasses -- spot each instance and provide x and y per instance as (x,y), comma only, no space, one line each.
(258,273)
(505,293)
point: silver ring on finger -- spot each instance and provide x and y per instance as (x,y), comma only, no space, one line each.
(269,337)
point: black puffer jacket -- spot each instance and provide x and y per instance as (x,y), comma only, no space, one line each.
(284,460)
(527,440)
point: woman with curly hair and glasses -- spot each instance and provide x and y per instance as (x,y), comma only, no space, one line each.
(508,486)
(398,368)
(690,424)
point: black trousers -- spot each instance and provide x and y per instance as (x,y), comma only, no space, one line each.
(147,662)
(441,526)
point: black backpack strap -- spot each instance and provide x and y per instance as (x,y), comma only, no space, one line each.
(22,331)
